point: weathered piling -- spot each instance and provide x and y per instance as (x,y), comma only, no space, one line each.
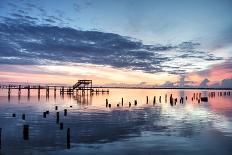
(54,91)
(122,101)
(23,116)
(9,90)
(39,91)
(171,100)
(147,99)
(160,99)
(19,91)
(204,99)
(47,92)
(28,91)
(154,100)
(57,117)
(65,112)
(117,105)
(44,114)
(166,97)
(0,138)
(129,104)
(68,138)
(135,102)
(13,115)
(56,107)
(61,126)
(47,112)
(107,103)
(25,132)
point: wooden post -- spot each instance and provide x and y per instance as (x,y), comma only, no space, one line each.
(68,138)
(44,114)
(65,112)
(160,99)
(28,91)
(13,115)
(154,100)
(122,101)
(9,92)
(0,138)
(57,117)
(19,93)
(129,104)
(23,117)
(56,107)
(54,91)
(25,132)
(106,102)
(135,102)
(61,126)
(147,99)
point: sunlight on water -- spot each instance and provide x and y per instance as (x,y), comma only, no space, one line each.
(145,128)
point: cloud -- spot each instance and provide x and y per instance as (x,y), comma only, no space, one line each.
(226,83)
(204,83)
(25,42)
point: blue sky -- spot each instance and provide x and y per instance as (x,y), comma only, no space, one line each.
(176,37)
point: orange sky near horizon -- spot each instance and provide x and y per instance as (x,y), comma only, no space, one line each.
(101,75)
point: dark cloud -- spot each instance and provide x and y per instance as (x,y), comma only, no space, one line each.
(204,83)
(23,42)
(226,83)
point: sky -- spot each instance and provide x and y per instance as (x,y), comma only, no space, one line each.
(117,43)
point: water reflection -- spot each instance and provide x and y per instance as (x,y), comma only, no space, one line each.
(142,128)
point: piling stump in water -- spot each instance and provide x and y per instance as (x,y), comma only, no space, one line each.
(106,102)
(47,112)
(0,138)
(68,138)
(109,105)
(56,107)
(65,112)
(61,126)
(57,117)
(44,114)
(25,132)
(23,116)
(154,100)
(204,99)
(122,101)
(147,99)
(13,115)
(135,102)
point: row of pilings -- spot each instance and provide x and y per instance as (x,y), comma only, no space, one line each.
(196,97)
(26,127)
(48,89)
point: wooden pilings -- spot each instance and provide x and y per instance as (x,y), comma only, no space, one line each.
(57,117)
(65,112)
(0,138)
(23,116)
(107,103)
(68,138)
(25,132)
(154,100)
(61,126)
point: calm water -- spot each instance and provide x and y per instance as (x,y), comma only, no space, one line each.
(146,129)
